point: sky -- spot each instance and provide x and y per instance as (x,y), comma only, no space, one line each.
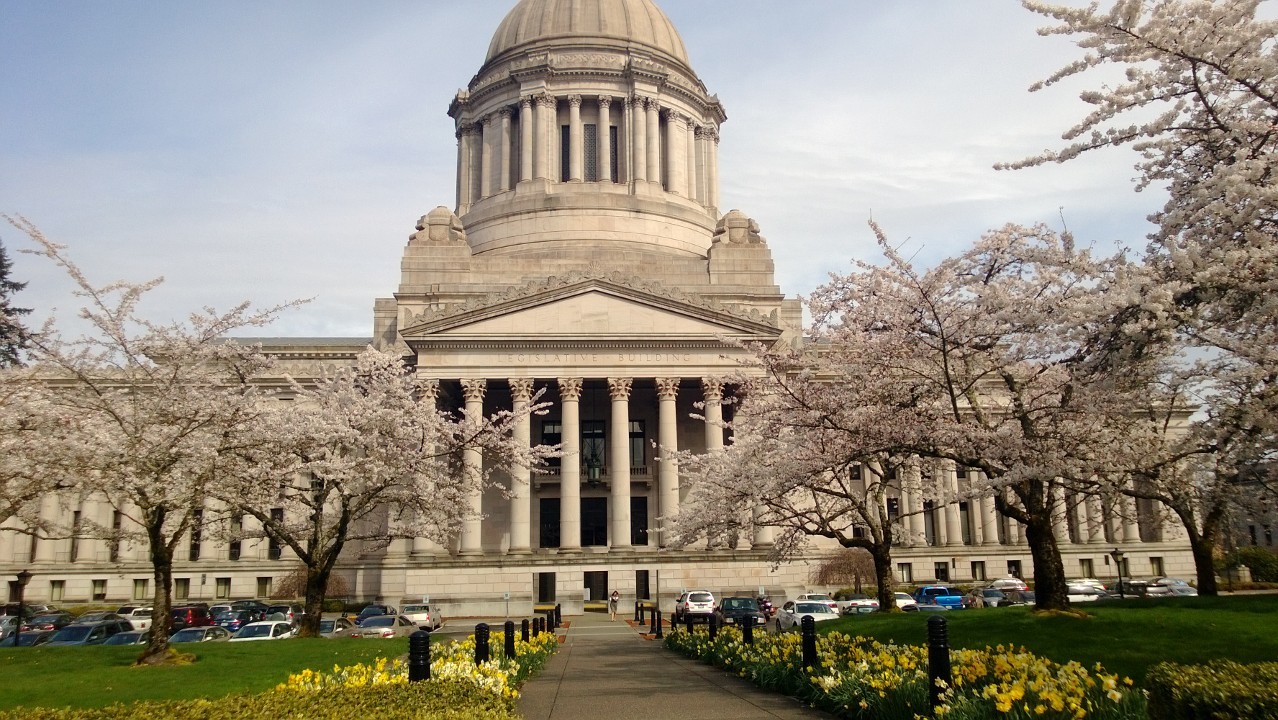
(273,150)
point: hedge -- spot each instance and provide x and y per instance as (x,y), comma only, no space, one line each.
(1219,690)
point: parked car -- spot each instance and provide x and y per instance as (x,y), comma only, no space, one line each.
(29,638)
(735,611)
(856,603)
(927,606)
(1130,588)
(695,604)
(423,615)
(1084,593)
(207,633)
(793,612)
(133,637)
(903,600)
(1178,586)
(265,630)
(215,610)
(818,597)
(1090,581)
(374,610)
(191,616)
(138,616)
(292,612)
(90,633)
(943,595)
(233,620)
(1009,582)
(49,621)
(98,616)
(1019,597)
(335,627)
(990,597)
(385,626)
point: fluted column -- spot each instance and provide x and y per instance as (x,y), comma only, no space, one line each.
(503,182)
(576,149)
(668,439)
(713,390)
(989,522)
(703,155)
(46,549)
(424,546)
(570,465)
(911,482)
(465,183)
(1095,520)
(473,461)
(619,461)
(7,537)
(521,390)
(626,142)
(1060,515)
(1131,522)
(486,145)
(639,133)
(953,515)
(654,141)
(544,144)
(712,169)
(690,143)
(604,145)
(676,152)
(525,138)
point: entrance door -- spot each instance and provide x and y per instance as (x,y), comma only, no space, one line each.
(596,585)
(594,522)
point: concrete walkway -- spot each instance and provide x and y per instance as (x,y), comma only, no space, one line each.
(606,670)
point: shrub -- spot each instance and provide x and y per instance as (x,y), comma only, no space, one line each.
(1220,689)
(1262,563)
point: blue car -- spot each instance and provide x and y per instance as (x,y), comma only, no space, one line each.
(942,595)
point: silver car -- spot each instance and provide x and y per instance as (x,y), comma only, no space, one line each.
(792,614)
(385,626)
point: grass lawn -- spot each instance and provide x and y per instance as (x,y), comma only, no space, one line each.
(97,676)
(1127,637)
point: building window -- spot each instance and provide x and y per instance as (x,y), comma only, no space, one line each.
(545,587)
(965,520)
(906,572)
(978,570)
(590,139)
(264,587)
(1156,567)
(858,531)
(552,433)
(548,523)
(181,588)
(594,451)
(99,591)
(237,527)
(1252,529)
(1086,568)
(273,549)
(942,571)
(929,522)
(57,590)
(638,461)
(197,534)
(139,589)
(222,589)
(612,153)
(1014,568)
(893,509)
(642,589)
(564,143)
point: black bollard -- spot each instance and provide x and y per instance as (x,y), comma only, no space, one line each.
(509,645)
(559,618)
(419,656)
(536,626)
(747,629)
(481,643)
(523,634)
(550,621)
(938,659)
(652,629)
(638,612)
(808,641)
(713,626)
(656,619)
(687,620)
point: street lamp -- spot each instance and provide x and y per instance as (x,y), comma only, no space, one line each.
(24,577)
(1117,554)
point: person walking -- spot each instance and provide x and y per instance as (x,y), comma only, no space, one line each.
(613,601)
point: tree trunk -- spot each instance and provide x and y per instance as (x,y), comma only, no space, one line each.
(882,555)
(1050,591)
(316,586)
(157,650)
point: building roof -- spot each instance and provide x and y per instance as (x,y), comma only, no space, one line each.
(551,22)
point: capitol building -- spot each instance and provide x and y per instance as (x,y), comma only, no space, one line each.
(589,256)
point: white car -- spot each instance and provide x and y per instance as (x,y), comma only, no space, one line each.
(856,604)
(792,613)
(422,614)
(904,600)
(138,617)
(818,597)
(1084,592)
(696,604)
(1009,583)
(264,630)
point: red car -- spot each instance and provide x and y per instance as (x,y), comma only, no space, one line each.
(191,616)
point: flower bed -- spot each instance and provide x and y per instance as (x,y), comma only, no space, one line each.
(861,678)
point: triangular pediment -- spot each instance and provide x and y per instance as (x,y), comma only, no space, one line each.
(590,309)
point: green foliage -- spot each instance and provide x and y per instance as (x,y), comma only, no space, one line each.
(14,336)
(1220,689)
(1262,563)
(412,701)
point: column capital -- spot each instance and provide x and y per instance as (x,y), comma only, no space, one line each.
(428,389)
(546,100)
(713,388)
(526,102)
(521,389)
(488,119)
(504,111)
(667,388)
(675,118)
(469,128)
(569,388)
(474,388)
(574,101)
(619,388)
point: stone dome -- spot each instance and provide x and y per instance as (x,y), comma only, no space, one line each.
(613,22)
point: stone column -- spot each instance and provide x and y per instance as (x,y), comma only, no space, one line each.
(713,389)
(486,144)
(46,549)
(424,546)
(911,482)
(604,144)
(702,168)
(690,142)
(576,149)
(464,169)
(654,141)
(503,182)
(712,167)
(639,131)
(953,515)
(1060,515)
(473,460)
(1130,518)
(989,522)
(624,161)
(570,466)
(1095,520)
(676,153)
(525,138)
(7,545)
(544,143)
(521,390)
(619,461)
(668,439)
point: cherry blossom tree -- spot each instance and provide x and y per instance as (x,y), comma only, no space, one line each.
(363,456)
(32,432)
(158,408)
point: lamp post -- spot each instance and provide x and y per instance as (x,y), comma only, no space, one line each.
(24,577)
(1117,554)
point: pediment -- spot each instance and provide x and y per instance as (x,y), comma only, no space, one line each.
(592,309)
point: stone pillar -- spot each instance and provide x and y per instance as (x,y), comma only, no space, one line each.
(544,143)
(639,132)
(1060,515)
(911,482)
(46,549)
(690,143)
(1095,520)
(464,170)
(668,439)
(521,390)
(654,141)
(424,546)
(525,138)
(953,515)
(604,144)
(712,167)
(713,389)
(7,544)
(989,522)
(486,145)
(702,133)
(619,461)
(503,182)
(575,139)
(473,460)
(1130,518)
(624,161)
(570,465)
(676,153)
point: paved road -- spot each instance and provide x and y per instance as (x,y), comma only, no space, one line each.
(606,670)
